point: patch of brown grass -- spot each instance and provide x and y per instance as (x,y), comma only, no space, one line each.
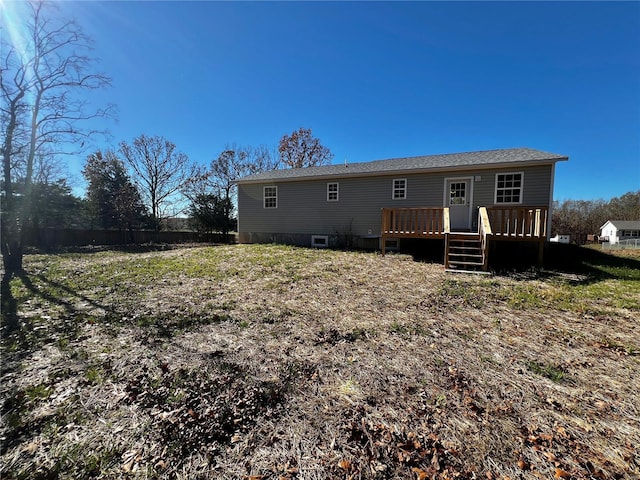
(277,362)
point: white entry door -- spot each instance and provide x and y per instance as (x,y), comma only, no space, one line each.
(458,199)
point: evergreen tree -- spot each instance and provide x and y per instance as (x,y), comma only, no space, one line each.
(54,206)
(114,201)
(210,213)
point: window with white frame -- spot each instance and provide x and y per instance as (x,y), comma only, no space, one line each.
(333,191)
(399,189)
(270,197)
(458,193)
(509,187)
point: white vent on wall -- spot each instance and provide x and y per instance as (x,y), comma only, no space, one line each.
(319,241)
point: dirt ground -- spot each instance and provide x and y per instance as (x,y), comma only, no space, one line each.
(271,362)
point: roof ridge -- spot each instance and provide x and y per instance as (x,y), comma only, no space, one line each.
(440,161)
(469,152)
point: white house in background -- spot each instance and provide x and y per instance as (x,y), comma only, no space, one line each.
(616,231)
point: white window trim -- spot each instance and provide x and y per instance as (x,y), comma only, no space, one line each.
(324,238)
(446,195)
(264,196)
(393,188)
(495,189)
(337,192)
(467,183)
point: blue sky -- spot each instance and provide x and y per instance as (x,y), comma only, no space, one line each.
(381,80)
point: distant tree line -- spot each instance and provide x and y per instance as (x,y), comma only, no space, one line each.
(580,218)
(148,181)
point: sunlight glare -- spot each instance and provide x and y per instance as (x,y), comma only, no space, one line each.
(12,26)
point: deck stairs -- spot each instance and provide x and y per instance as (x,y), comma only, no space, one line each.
(464,253)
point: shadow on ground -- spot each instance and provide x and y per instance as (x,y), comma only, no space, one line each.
(22,333)
(521,259)
(587,265)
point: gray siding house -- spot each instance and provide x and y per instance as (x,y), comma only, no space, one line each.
(374,203)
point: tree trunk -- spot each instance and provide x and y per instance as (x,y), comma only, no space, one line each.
(9,305)
(12,251)
(16,214)
(132,239)
(11,231)
(11,244)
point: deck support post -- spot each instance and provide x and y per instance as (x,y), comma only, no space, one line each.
(541,246)
(446,251)
(383,241)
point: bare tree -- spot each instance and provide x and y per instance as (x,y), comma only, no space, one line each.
(160,171)
(217,184)
(261,159)
(199,183)
(302,149)
(236,162)
(230,165)
(48,169)
(42,79)
(233,163)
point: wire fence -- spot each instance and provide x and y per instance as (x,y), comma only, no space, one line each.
(630,243)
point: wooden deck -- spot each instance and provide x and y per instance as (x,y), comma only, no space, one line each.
(415,222)
(517,223)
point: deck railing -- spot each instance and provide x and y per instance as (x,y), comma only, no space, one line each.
(414,222)
(484,231)
(494,223)
(431,222)
(518,223)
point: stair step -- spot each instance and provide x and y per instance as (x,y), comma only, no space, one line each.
(462,270)
(458,262)
(464,253)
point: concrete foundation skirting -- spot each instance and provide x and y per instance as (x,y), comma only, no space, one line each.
(305,239)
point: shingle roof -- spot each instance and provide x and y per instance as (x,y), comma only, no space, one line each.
(626,224)
(482,159)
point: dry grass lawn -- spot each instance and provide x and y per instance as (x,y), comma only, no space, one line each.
(273,362)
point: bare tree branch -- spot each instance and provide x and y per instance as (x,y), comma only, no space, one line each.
(41,84)
(160,171)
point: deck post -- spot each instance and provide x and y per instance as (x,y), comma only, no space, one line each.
(383,241)
(446,251)
(541,246)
